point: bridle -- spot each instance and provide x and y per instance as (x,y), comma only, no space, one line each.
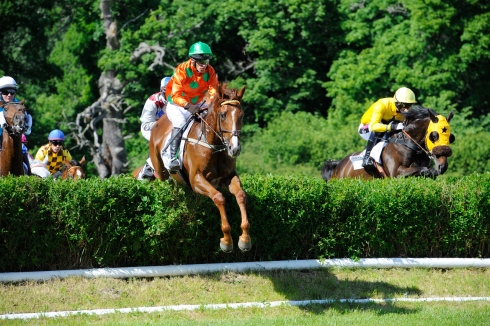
(221,131)
(417,146)
(13,129)
(236,104)
(71,172)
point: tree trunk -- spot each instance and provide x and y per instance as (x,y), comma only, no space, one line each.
(109,156)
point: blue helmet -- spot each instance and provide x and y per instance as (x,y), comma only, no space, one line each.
(164,82)
(56,135)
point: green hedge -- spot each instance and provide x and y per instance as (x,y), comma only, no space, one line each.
(116,222)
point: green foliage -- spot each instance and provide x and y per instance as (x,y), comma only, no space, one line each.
(422,45)
(329,58)
(47,224)
(297,144)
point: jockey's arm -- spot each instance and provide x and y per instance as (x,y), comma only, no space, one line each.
(379,113)
(149,112)
(40,155)
(67,155)
(177,87)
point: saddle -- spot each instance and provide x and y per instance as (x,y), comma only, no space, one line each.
(356,160)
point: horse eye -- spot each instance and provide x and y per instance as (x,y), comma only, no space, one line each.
(222,115)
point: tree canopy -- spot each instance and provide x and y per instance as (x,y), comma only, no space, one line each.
(330,59)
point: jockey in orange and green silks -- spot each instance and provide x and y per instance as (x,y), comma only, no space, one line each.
(189,84)
(382,116)
(185,94)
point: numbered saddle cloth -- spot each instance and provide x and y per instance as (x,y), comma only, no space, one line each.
(356,160)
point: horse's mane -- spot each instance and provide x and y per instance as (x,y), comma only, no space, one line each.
(417,112)
(229,93)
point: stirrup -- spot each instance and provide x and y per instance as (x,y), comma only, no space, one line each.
(146,172)
(369,166)
(174,166)
(368,162)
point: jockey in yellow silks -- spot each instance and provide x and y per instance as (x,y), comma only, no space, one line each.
(382,116)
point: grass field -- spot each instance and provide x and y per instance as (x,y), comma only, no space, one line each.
(286,285)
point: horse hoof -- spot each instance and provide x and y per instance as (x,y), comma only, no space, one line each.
(226,248)
(244,246)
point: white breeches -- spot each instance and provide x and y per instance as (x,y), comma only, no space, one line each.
(146,128)
(177,115)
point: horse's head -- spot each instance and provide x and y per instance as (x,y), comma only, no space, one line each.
(438,138)
(73,170)
(434,132)
(229,118)
(15,115)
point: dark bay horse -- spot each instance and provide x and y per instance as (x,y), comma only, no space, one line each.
(209,160)
(11,154)
(73,170)
(425,139)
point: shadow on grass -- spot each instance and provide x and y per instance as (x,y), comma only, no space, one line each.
(322,284)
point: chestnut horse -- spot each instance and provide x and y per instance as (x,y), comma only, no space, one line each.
(11,154)
(209,158)
(73,170)
(425,139)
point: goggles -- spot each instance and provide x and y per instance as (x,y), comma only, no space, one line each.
(8,91)
(56,142)
(203,62)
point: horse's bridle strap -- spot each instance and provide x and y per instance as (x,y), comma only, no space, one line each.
(429,154)
(230,102)
(409,144)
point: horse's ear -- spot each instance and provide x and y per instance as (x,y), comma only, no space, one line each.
(450,116)
(241,92)
(433,116)
(82,160)
(221,87)
(22,102)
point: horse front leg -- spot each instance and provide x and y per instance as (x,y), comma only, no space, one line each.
(413,171)
(203,187)
(244,241)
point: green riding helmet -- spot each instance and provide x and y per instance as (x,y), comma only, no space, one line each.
(200,51)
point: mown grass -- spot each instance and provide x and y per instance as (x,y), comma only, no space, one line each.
(229,287)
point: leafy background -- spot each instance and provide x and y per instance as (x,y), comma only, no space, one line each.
(311,68)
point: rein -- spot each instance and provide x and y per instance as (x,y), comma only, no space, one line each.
(429,154)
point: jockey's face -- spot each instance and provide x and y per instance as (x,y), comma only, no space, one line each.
(8,95)
(403,107)
(200,65)
(55,145)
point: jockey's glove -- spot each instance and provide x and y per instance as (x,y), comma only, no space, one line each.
(397,126)
(28,125)
(192,108)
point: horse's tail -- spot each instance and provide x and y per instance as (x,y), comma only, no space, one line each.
(328,168)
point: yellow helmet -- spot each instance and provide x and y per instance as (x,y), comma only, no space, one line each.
(404,95)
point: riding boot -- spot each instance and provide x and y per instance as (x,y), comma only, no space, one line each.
(174,164)
(367,160)
(25,160)
(146,172)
